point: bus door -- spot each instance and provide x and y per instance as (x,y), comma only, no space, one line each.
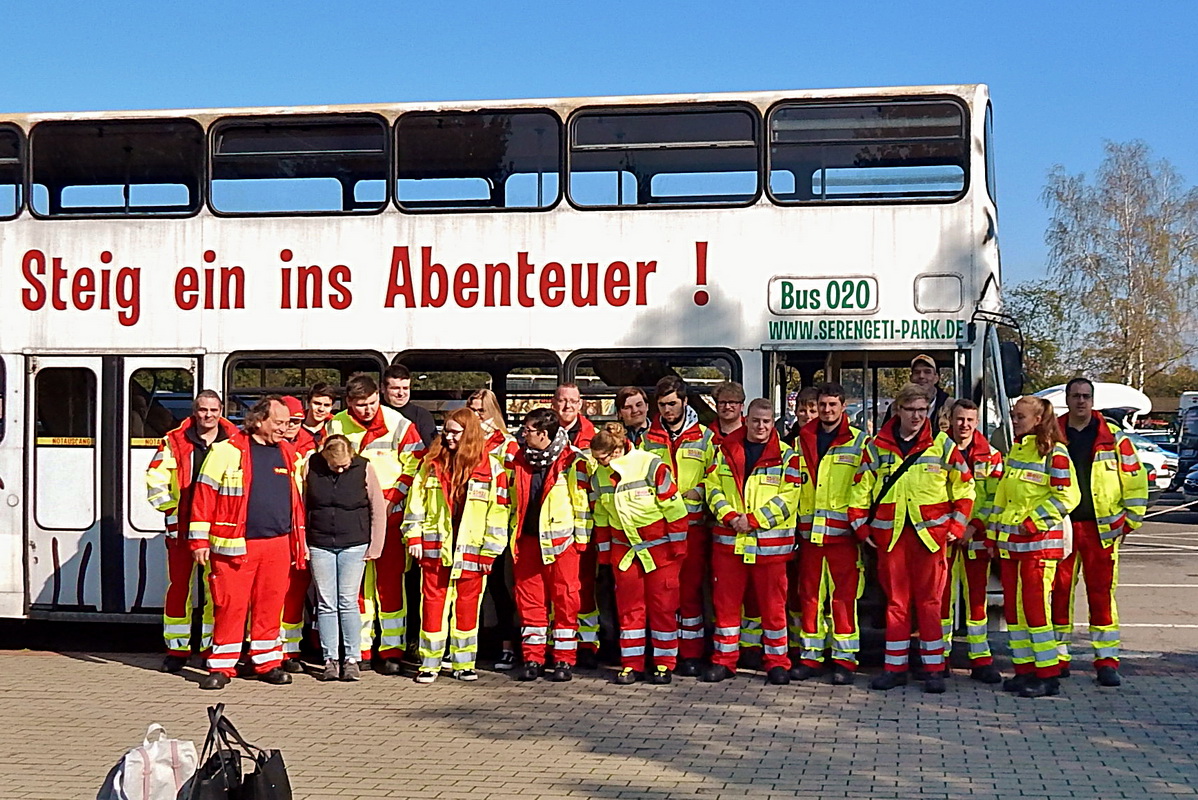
(12,481)
(157,395)
(62,490)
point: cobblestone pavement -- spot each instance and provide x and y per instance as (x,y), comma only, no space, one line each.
(67,717)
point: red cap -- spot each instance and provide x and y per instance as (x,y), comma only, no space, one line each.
(294,406)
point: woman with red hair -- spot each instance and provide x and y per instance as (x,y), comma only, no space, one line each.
(456,526)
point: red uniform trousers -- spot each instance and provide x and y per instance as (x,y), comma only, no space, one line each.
(729,577)
(252,585)
(383,597)
(828,586)
(1100,569)
(659,592)
(449,614)
(538,585)
(966,585)
(294,605)
(177,605)
(913,578)
(1026,588)
(693,579)
(588,603)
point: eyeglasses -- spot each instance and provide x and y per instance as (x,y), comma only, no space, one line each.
(910,409)
(729,402)
(1076,396)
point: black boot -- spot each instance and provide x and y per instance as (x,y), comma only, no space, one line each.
(802,672)
(1035,686)
(716,673)
(214,680)
(561,672)
(276,676)
(689,668)
(173,664)
(1014,684)
(627,676)
(390,666)
(293,666)
(888,680)
(934,684)
(842,676)
(660,676)
(1108,676)
(528,671)
(986,674)
(777,676)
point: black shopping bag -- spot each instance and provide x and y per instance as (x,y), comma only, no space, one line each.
(221,774)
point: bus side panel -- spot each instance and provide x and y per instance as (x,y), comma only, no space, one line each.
(12,478)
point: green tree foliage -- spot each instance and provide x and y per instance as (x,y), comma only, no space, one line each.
(1050,352)
(1123,250)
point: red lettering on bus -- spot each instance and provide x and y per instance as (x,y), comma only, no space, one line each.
(57,273)
(553,284)
(502,272)
(187,289)
(32,265)
(465,286)
(232,288)
(309,287)
(591,297)
(400,284)
(616,283)
(339,278)
(83,289)
(643,270)
(524,268)
(429,270)
(128,295)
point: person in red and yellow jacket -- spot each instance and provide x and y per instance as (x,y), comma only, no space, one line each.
(687,448)
(247,519)
(632,407)
(969,556)
(1028,522)
(567,405)
(296,601)
(504,448)
(170,483)
(752,490)
(551,527)
(913,494)
(392,444)
(829,564)
(456,525)
(1114,496)
(641,532)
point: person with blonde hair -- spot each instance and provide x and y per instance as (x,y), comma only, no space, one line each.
(347,525)
(456,526)
(640,530)
(503,447)
(1037,491)
(912,495)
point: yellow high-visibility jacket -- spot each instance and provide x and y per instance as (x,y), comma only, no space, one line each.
(481,535)
(768,495)
(394,448)
(169,479)
(1118,481)
(935,495)
(639,513)
(1033,496)
(826,484)
(689,457)
(565,517)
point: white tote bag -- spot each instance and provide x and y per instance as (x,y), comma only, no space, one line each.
(155,771)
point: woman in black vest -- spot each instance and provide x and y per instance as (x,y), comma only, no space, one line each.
(347,523)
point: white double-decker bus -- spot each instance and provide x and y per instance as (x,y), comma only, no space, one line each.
(773,238)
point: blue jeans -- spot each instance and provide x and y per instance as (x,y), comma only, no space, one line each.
(337,576)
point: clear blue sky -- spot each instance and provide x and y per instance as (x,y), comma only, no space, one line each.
(1063,76)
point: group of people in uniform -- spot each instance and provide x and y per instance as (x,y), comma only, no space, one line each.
(718,538)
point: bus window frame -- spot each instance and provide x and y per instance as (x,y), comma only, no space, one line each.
(516,354)
(562,173)
(217,125)
(23,181)
(199,202)
(967,137)
(759,142)
(291,357)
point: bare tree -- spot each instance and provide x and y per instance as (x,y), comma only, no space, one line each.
(1124,249)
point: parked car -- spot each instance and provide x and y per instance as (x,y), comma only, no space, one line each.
(1165,440)
(1189,485)
(1152,454)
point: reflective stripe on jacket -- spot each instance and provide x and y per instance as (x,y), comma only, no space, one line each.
(639,513)
(565,518)
(169,482)
(482,531)
(986,463)
(770,498)
(826,484)
(221,500)
(395,455)
(689,457)
(1033,496)
(934,496)
(1118,481)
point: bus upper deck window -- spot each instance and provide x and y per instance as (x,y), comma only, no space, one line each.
(286,165)
(471,160)
(884,151)
(117,167)
(668,156)
(11,155)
